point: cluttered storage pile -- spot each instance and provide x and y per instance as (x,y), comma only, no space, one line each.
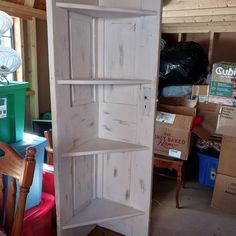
(196,114)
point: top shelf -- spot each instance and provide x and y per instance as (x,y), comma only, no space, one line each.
(100,11)
(105,81)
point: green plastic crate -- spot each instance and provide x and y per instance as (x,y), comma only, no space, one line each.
(12,111)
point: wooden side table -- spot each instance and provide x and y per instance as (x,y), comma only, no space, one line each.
(161,161)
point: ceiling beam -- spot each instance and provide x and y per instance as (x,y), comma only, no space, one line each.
(22,11)
(29,3)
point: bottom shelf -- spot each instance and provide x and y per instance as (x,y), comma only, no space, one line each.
(101,210)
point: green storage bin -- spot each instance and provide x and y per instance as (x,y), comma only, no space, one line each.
(12,111)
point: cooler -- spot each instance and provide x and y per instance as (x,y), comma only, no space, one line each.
(39,143)
(12,111)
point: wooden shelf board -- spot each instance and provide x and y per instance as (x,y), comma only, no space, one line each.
(99,11)
(104,81)
(99,145)
(100,210)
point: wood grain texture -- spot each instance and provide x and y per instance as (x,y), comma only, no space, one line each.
(101,63)
(96,11)
(2,197)
(101,210)
(17,168)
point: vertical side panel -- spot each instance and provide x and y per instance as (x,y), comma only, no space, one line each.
(57,20)
(117,177)
(82,181)
(118,122)
(81,48)
(121,94)
(81,33)
(120,54)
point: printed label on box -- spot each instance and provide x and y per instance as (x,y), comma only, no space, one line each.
(203,98)
(165,117)
(226,112)
(221,89)
(174,153)
(3,108)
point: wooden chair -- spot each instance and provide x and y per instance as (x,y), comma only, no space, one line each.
(161,161)
(16,168)
(49,147)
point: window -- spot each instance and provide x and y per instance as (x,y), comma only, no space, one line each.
(7,39)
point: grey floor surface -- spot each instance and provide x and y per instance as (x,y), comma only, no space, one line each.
(195,218)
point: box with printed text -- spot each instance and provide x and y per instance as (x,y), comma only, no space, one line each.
(223,84)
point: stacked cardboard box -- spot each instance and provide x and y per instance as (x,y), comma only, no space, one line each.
(173,127)
(215,105)
(200,92)
(223,84)
(224,196)
(223,91)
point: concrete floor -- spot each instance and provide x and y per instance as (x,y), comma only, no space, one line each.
(195,218)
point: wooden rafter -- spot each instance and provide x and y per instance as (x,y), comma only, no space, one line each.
(29,3)
(182,16)
(22,11)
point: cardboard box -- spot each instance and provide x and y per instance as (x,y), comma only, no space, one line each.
(226,123)
(224,195)
(200,92)
(180,110)
(223,84)
(209,113)
(227,161)
(173,127)
(180,102)
(172,135)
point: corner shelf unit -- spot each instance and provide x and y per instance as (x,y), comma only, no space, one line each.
(103,58)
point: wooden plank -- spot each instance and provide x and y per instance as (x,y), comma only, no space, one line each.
(180,37)
(198,19)
(211,47)
(117,171)
(82,182)
(203,25)
(200,12)
(199,27)
(119,120)
(29,3)
(101,210)
(104,81)
(22,11)
(33,72)
(96,146)
(196,4)
(19,47)
(96,11)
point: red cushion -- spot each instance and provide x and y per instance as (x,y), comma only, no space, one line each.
(48,180)
(38,219)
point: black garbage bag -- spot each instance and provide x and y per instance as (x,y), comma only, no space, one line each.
(184,63)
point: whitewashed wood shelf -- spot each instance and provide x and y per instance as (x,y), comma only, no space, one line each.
(101,210)
(104,61)
(99,145)
(104,81)
(99,11)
